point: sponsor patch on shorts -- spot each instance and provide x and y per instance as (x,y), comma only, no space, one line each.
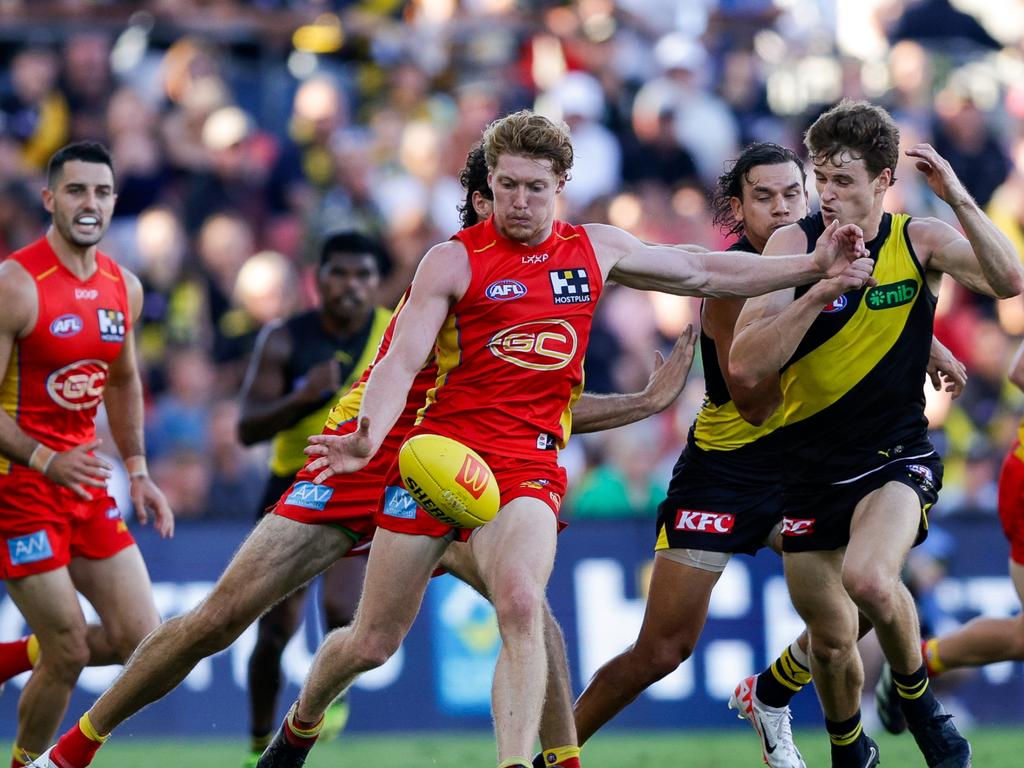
(700,521)
(398,502)
(310,496)
(794,526)
(30,548)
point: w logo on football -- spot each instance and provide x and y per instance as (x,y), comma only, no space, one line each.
(473,476)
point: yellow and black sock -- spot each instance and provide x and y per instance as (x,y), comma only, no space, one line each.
(844,735)
(915,695)
(558,757)
(778,684)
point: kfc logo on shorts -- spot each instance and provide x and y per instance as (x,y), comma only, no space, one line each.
(505,290)
(65,326)
(837,304)
(704,522)
(792,526)
(111,324)
(78,386)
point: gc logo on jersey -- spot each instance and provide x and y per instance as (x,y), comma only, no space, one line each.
(65,326)
(78,386)
(111,324)
(540,345)
(570,286)
(505,290)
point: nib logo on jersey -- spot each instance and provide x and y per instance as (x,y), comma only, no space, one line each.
(111,324)
(570,286)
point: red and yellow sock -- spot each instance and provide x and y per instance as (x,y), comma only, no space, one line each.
(558,757)
(78,747)
(930,653)
(300,733)
(18,656)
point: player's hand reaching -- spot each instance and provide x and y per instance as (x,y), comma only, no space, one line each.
(945,371)
(939,174)
(854,276)
(340,454)
(669,375)
(147,498)
(76,468)
(838,247)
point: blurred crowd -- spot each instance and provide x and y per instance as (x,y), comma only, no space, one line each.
(243,132)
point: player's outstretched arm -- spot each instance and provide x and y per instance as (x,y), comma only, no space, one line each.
(594,413)
(628,261)
(441,280)
(770,327)
(982,259)
(123,396)
(945,371)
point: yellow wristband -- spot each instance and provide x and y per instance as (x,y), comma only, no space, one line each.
(136,466)
(41,458)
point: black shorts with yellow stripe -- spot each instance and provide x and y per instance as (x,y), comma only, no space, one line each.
(703,510)
(818,516)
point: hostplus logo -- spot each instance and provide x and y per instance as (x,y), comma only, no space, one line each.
(891,295)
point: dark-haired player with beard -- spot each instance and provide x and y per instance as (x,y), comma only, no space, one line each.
(859,473)
(66,346)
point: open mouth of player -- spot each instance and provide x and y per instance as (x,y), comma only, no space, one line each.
(87,222)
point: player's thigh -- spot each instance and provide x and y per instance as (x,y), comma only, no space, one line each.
(1017,577)
(119,589)
(397,573)
(461,562)
(49,604)
(815,581)
(677,603)
(342,586)
(518,543)
(883,528)
(279,556)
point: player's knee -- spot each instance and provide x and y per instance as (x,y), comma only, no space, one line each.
(872,591)
(830,647)
(665,657)
(66,655)
(520,607)
(212,626)
(372,650)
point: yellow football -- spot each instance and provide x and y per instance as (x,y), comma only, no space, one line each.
(450,481)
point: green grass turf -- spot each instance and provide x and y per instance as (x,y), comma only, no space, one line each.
(993,748)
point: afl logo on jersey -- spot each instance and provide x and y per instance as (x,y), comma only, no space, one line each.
(837,304)
(540,345)
(78,386)
(66,325)
(505,290)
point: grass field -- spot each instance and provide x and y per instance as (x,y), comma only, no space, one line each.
(993,748)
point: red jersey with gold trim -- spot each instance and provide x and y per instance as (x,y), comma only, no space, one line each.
(57,373)
(510,353)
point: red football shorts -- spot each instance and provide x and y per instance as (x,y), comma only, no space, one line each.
(1011,501)
(347,501)
(44,525)
(539,478)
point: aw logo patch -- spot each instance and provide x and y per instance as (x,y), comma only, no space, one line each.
(837,304)
(30,548)
(310,496)
(398,502)
(891,295)
(570,286)
(66,326)
(505,290)
(111,324)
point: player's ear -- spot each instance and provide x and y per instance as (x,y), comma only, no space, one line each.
(48,199)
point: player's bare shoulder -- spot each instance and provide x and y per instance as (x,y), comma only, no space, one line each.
(18,298)
(928,234)
(445,268)
(784,240)
(133,287)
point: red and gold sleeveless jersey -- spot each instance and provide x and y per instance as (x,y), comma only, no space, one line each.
(347,407)
(57,373)
(510,353)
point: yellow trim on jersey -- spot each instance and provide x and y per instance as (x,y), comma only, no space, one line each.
(286,456)
(449,354)
(566,418)
(111,275)
(662,541)
(820,378)
(43,275)
(486,247)
(573,236)
(721,428)
(9,399)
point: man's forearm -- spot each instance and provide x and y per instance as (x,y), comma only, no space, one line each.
(262,420)
(594,413)
(761,349)
(996,256)
(741,275)
(125,416)
(387,390)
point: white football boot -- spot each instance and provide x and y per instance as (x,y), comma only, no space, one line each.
(772,726)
